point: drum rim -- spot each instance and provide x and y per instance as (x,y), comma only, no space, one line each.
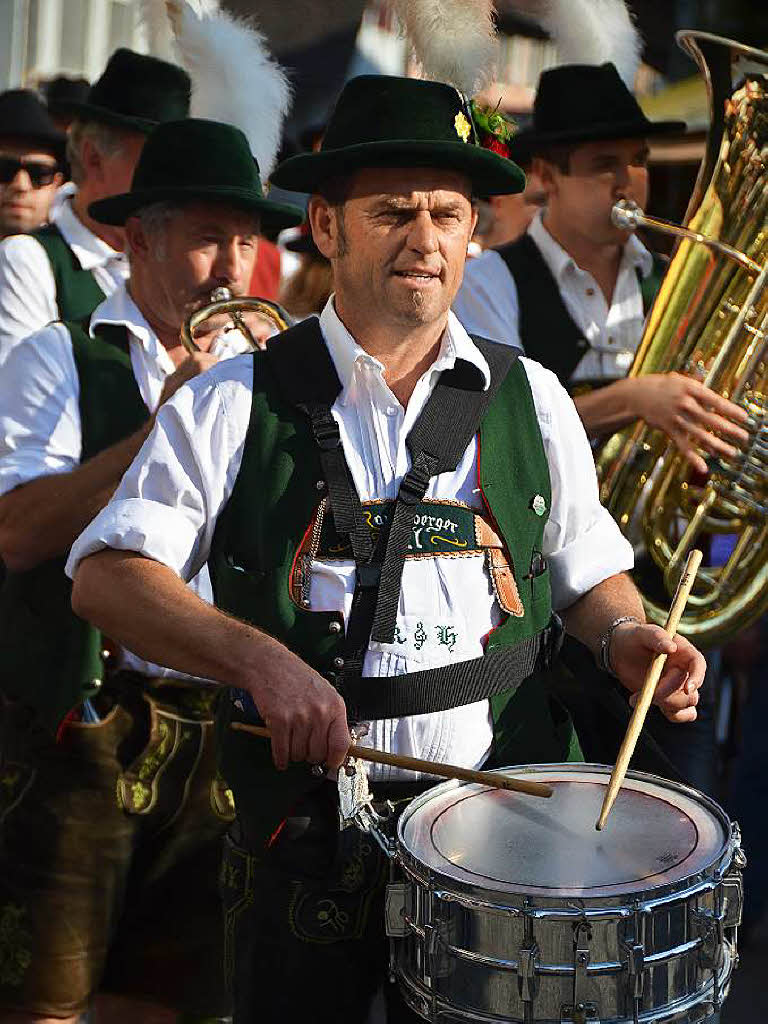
(425,875)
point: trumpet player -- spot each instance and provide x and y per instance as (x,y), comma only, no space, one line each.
(78,400)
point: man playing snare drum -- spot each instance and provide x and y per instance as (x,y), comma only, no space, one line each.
(311,480)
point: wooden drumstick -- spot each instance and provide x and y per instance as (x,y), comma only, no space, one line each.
(415,764)
(652,677)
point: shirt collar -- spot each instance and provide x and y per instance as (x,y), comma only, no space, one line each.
(90,250)
(120,310)
(559,261)
(347,355)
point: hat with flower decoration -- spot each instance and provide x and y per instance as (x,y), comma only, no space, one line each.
(385,121)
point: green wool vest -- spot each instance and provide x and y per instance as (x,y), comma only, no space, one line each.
(77,291)
(261,530)
(49,658)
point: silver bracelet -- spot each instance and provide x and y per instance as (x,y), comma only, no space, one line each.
(604,657)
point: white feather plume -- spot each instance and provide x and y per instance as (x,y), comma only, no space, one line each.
(157,26)
(234,77)
(454,41)
(592,32)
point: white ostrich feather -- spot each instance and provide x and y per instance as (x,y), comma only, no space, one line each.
(154,17)
(234,77)
(592,32)
(454,41)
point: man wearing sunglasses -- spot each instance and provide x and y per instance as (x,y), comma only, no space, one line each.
(63,270)
(31,150)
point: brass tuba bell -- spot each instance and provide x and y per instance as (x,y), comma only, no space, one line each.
(709,320)
(222,301)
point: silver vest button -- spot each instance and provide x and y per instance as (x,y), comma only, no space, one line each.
(334,627)
(338,663)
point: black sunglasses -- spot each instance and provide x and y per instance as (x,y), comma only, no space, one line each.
(39,174)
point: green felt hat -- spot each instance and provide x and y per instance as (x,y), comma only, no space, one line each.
(135,92)
(383,121)
(196,161)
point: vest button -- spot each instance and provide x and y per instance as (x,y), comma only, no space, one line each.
(334,627)
(306,603)
(320,485)
(338,663)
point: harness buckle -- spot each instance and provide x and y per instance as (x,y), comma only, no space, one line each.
(325,430)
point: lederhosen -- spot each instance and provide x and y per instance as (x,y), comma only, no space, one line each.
(96,817)
(306,905)
(596,702)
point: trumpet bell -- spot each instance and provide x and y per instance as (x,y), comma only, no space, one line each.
(222,301)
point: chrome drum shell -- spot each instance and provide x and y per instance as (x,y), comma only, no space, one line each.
(489,933)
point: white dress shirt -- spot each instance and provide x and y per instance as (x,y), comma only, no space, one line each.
(487,303)
(27,286)
(40,429)
(168,502)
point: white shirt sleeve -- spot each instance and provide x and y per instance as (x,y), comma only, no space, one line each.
(40,429)
(486,304)
(582,543)
(27,291)
(170,497)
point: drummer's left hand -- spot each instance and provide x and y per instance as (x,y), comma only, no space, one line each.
(632,648)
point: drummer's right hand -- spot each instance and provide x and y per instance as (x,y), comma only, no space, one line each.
(305,714)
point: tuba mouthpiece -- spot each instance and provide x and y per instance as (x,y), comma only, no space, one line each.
(626,215)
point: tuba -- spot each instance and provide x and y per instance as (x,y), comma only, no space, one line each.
(710,320)
(222,301)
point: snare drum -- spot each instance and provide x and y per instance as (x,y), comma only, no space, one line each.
(516,909)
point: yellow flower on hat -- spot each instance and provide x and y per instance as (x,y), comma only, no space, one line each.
(462,126)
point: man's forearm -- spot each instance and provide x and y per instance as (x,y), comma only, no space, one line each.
(607,409)
(148,609)
(590,617)
(42,519)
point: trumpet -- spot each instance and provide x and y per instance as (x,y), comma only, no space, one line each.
(222,301)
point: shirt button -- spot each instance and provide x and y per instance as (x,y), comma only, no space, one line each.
(590,292)
(334,627)
(338,663)
(391,410)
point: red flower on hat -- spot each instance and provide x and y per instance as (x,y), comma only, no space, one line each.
(494,130)
(492,143)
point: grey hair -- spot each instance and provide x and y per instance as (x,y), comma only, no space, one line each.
(108,141)
(154,220)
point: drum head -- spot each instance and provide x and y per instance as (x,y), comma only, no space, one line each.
(657,834)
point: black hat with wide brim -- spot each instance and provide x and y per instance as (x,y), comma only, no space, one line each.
(383,121)
(584,103)
(135,92)
(24,118)
(194,161)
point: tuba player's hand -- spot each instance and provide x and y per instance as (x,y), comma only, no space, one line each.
(693,416)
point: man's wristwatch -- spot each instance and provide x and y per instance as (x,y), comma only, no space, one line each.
(604,656)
